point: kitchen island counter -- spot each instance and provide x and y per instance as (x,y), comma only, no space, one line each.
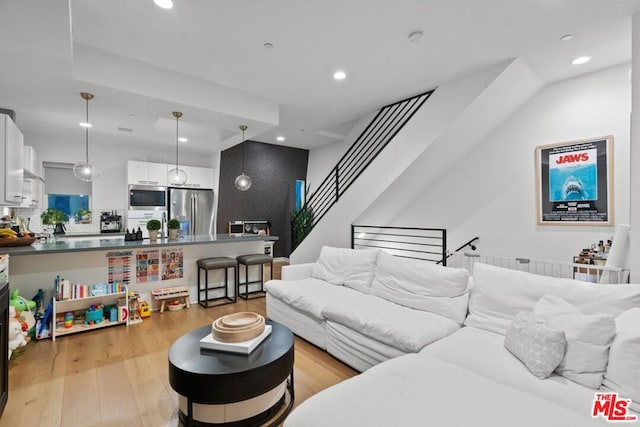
(109,242)
(91,260)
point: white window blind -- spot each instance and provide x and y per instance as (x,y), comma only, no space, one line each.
(60,180)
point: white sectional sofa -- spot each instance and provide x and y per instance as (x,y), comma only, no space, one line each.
(502,368)
(366,306)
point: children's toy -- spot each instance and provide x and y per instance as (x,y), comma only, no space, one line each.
(38,299)
(23,310)
(93,315)
(17,337)
(180,293)
(68,319)
(134,308)
(42,324)
(20,303)
(145,309)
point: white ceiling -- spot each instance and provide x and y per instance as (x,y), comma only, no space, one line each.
(206,58)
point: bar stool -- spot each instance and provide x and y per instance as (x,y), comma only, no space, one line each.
(253,259)
(218,263)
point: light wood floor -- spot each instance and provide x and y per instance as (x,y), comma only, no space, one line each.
(118,376)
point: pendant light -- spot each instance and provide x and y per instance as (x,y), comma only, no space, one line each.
(84,170)
(243,182)
(177,176)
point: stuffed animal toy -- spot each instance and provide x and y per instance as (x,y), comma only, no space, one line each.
(23,310)
(20,303)
(17,337)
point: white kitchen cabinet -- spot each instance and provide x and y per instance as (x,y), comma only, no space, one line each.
(157,173)
(32,194)
(32,166)
(197,177)
(200,177)
(11,145)
(147,173)
(137,172)
(32,173)
(37,194)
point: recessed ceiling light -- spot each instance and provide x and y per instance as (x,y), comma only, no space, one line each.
(165,4)
(268,45)
(280,138)
(581,60)
(339,75)
(566,37)
(85,124)
(183,139)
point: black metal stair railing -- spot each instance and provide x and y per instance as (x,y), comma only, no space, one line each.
(426,244)
(376,136)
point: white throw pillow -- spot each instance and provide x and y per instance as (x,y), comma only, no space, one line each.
(540,348)
(499,294)
(623,370)
(349,267)
(589,337)
(422,285)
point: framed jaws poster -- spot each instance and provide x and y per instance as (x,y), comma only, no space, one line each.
(575,182)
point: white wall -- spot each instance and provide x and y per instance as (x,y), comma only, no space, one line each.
(634,263)
(444,114)
(110,189)
(490,191)
(323,159)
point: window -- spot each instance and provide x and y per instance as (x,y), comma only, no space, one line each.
(64,191)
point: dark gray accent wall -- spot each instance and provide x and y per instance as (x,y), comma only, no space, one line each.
(273,170)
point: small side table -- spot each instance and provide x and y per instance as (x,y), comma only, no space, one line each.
(220,388)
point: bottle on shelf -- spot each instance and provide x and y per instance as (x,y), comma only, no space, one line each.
(139,234)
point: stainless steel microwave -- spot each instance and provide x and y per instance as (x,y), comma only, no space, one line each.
(148,198)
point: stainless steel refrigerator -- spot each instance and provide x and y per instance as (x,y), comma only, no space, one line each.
(195,209)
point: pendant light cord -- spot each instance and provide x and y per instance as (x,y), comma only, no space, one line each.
(86,136)
(177,133)
(243,128)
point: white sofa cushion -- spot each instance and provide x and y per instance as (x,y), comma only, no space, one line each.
(588,337)
(623,370)
(539,347)
(297,271)
(422,285)
(499,294)
(404,328)
(349,267)
(309,295)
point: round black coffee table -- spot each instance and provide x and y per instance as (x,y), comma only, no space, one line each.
(221,388)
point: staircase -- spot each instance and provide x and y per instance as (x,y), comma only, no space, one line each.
(375,137)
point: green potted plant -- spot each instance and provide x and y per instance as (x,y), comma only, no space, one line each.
(153,225)
(83,216)
(173,225)
(301,222)
(56,218)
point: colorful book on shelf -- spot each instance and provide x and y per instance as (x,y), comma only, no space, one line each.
(65,290)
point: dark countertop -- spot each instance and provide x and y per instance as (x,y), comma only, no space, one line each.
(115,242)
